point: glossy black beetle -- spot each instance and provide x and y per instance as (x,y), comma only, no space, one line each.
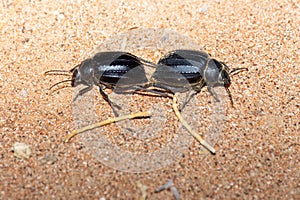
(185,70)
(106,69)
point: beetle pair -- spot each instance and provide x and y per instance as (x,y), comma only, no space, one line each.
(177,71)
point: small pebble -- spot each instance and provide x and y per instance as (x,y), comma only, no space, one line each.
(21,150)
(203,9)
(23,93)
(143,189)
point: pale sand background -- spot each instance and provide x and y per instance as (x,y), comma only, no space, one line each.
(258,155)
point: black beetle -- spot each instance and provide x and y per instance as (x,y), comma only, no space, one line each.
(117,70)
(185,70)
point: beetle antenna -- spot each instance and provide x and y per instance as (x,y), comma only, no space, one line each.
(60,83)
(58,72)
(52,91)
(237,70)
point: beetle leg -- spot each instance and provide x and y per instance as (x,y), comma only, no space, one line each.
(188,97)
(195,90)
(111,103)
(230,97)
(213,93)
(154,91)
(81,92)
(104,95)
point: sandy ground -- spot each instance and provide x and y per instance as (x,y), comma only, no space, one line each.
(258,150)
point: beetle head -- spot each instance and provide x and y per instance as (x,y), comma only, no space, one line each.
(82,74)
(224,76)
(217,74)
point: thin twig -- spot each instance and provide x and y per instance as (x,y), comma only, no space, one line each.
(106,122)
(188,127)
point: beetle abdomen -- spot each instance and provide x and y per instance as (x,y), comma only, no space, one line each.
(181,69)
(176,75)
(118,68)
